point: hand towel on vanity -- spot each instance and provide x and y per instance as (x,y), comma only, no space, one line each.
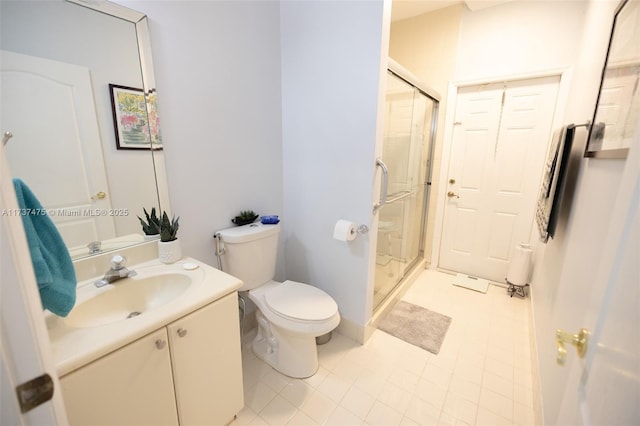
(52,263)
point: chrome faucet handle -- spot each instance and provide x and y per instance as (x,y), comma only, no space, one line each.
(94,247)
(118,262)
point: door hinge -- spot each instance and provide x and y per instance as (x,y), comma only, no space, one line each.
(34,392)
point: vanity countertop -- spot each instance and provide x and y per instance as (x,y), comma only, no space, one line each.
(74,347)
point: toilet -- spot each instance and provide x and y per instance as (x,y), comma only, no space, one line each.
(290,314)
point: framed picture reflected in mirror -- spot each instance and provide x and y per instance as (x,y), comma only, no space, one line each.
(135,118)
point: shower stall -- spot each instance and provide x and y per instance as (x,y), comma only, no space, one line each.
(406,164)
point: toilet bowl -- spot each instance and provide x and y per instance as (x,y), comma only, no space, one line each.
(290,315)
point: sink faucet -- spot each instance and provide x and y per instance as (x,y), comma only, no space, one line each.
(117,271)
(94,247)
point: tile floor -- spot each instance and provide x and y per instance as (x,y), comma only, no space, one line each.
(482,375)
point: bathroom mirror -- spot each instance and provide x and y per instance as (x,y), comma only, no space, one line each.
(617,110)
(58,59)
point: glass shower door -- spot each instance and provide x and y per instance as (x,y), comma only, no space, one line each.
(406,151)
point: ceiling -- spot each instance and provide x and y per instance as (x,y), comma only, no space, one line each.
(403,9)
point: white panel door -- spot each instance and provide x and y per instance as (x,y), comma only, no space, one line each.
(603,388)
(49,107)
(500,138)
(609,390)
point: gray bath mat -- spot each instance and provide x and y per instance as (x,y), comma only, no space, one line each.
(416,325)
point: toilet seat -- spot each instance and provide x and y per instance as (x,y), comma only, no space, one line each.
(300,302)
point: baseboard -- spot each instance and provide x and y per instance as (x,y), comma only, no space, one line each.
(535,366)
(351,330)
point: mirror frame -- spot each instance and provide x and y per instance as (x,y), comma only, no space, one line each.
(596,137)
(140,21)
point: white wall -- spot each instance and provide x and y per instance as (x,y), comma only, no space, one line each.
(519,37)
(333,57)
(217,73)
(221,86)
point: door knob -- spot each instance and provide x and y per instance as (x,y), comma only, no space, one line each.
(452,194)
(160,343)
(99,196)
(580,341)
(182,332)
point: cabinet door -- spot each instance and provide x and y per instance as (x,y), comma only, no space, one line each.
(131,386)
(207,364)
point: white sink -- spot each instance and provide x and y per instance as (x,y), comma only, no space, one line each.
(107,318)
(128,298)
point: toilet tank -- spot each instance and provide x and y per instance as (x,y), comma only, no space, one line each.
(250,253)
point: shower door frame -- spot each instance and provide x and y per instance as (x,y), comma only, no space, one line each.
(399,72)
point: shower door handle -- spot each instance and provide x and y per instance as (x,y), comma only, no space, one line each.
(384,185)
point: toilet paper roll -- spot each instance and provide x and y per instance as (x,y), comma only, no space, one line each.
(520,266)
(345,230)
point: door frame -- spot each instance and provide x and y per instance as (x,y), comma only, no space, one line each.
(564,74)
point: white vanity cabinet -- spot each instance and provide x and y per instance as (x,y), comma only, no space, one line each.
(188,372)
(207,364)
(131,386)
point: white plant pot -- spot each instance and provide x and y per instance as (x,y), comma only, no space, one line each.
(170,251)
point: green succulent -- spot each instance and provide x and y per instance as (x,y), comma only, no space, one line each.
(169,228)
(247,215)
(152,225)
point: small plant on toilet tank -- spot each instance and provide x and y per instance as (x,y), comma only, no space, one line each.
(245,217)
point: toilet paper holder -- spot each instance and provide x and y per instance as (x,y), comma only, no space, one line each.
(362,229)
(348,231)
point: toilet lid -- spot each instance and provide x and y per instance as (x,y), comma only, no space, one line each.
(301,301)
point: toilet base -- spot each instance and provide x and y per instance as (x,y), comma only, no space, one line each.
(293,354)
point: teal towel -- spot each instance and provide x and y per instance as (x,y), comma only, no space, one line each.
(51,260)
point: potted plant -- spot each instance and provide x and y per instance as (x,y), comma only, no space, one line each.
(169,248)
(245,217)
(150,227)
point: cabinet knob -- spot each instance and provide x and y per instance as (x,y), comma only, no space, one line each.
(182,332)
(160,344)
